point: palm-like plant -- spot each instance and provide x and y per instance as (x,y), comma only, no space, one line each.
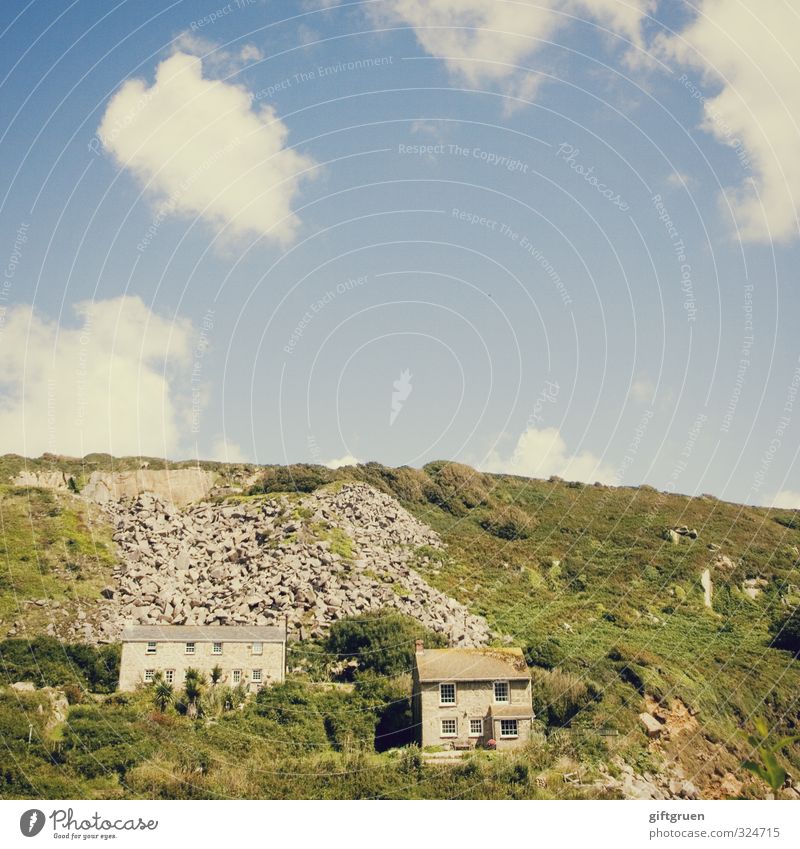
(193,689)
(216,675)
(163,695)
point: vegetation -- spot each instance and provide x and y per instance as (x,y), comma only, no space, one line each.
(610,613)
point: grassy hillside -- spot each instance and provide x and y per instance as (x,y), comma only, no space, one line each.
(610,612)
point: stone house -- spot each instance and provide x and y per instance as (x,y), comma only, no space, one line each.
(465,697)
(247,655)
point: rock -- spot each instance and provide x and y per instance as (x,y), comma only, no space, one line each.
(671,536)
(708,588)
(107,592)
(652,726)
(23,686)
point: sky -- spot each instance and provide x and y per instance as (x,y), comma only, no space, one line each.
(551,238)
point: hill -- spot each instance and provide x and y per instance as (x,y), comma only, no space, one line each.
(627,601)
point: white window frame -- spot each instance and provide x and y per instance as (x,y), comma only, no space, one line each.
(504,736)
(216,648)
(442,700)
(507,699)
(149,676)
(236,676)
(151,647)
(454,732)
(189,648)
(257,677)
(169,676)
(472,731)
(257,648)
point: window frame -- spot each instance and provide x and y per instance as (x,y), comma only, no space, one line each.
(187,650)
(442,732)
(216,648)
(149,676)
(507,699)
(236,676)
(151,648)
(513,736)
(447,702)
(169,676)
(257,676)
(472,732)
(258,651)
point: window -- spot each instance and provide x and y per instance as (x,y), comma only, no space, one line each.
(189,648)
(475,727)
(149,675)
(169,676)
(449,728)
(237,676)
(216,648)
(501,691)
(258,648)
(151,648)
(257,675)
(508,728)
(447,694)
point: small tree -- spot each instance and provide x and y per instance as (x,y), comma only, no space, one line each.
(216,675)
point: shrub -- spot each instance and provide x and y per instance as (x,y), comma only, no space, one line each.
(47,662)
(382,642)
(547,654)
(558,696)
(298,478)
(787,632)
(508,523)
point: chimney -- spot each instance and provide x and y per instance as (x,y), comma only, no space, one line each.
(419,647)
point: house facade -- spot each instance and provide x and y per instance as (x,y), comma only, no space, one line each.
(248,656)
(463,698)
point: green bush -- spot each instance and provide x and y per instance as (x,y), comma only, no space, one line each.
(382,642)
(301,477)
(786,632)
(47,662)
(559,696)
(508,523)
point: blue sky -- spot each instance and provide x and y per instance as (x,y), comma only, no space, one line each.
(550,239)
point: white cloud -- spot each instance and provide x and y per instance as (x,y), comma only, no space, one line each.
(751,52)
(107,384)
(227,451)
(786,499)
(642,389)
(199,147)
(347,460)
(481,40)
(542,452)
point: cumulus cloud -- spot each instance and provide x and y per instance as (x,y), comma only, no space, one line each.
(106,384)
(786,499)
(347,460)
(227,451)
(203,148)
(542,452)
(746,54)
(642,389)
(482,40)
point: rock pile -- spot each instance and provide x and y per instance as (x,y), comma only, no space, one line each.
(328,555)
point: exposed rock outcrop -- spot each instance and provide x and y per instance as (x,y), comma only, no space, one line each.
(314,560)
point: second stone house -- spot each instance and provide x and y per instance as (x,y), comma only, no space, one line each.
(247,656)
(464,698)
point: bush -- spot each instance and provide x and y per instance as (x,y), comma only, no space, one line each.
(382,642)
(298,478)
(787,632)
(47,662)
(558,696)
(547,654)
(508,523)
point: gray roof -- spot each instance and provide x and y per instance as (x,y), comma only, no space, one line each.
(201,633)
(485,664)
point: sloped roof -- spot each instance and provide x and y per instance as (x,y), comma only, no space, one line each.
(484,664)
(201,633)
